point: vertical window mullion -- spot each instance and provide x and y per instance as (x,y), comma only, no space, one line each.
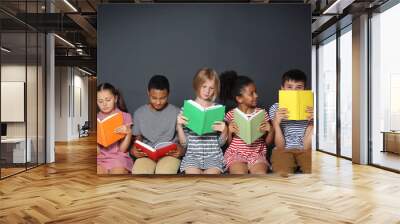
(338,98)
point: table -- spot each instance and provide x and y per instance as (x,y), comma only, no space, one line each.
(13,150)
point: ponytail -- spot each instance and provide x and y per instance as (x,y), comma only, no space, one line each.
(232,85)
(227,80)
(121,102)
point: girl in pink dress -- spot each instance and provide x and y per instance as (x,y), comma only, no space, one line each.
(114,159)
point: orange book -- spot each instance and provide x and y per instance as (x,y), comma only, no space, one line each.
(106,127)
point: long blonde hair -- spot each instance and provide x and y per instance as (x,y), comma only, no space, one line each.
(202,76)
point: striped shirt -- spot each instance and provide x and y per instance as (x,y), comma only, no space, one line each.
(203,151)
(239,151)
(293,131)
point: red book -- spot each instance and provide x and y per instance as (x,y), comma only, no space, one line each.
(159,151)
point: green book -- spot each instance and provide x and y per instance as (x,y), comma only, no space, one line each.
(201,120)
(249,127)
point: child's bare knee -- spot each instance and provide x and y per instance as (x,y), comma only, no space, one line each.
(238,168)
(193,171)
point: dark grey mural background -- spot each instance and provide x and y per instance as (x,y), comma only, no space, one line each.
(260,41)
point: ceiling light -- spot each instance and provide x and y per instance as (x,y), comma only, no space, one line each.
(84,71)
(70,5)
(65,41)
(338,6)
(5,50)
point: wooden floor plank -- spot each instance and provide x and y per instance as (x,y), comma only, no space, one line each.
(70,191)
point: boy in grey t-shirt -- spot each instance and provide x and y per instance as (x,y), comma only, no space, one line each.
(155,123)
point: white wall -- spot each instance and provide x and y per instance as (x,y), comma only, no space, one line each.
(13,73)
(61,103)
(80,110)
(71,102)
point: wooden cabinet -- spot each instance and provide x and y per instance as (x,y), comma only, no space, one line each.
(391,142)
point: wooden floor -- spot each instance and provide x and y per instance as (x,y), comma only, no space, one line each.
(69,191)
(5,172)
(387,159)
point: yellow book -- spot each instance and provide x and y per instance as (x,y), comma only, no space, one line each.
(296,101)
